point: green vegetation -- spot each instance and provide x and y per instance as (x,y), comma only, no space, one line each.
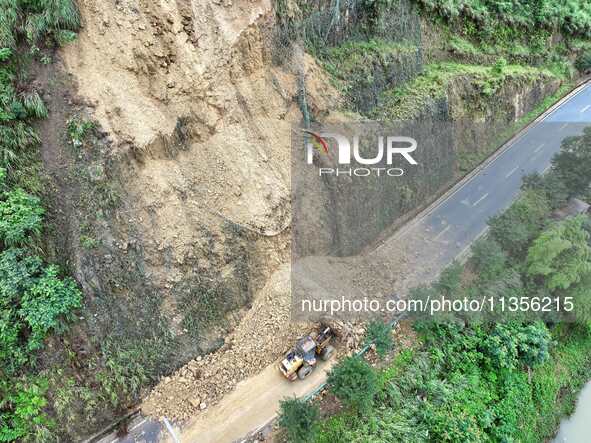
(36,301)
(378,47)
(380,335)
(21,215)
(573,162)
(583,62)
(507,22)
(520,224)
(78,130)
(37,24)
(409,100)
(472,379)
(354,383)
(468,383)
(361,69)
(299,419)
(21,410)
(561,256)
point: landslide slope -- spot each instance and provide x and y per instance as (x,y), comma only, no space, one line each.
(172,180)
(170,164)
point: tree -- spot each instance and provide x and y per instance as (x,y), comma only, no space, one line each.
(550,184)
(353,382)
(560,256)
(573,163)
(380,334)
(488,259)
(534,344)
(299,419)
(521,223)
(512,343)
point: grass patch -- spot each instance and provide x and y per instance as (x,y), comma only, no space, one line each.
(362,69)
(408,101)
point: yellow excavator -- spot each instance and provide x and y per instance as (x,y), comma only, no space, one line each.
(300,361)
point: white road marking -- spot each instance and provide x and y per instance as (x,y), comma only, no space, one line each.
(585,108)
(480,199)
(563,126)
(138,424)
(512,171)
(170,430)
(465,202)
(438,236)
(539,147)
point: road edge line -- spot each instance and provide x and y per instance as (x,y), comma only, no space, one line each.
(577,89)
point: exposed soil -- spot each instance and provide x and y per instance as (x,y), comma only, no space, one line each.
(199,124)
(192,143)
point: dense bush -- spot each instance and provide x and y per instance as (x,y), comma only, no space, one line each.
(34,300)
(21,214)
(299,419)
(507,19)
(521,223)
(353,382)
(513,345)
(583,62)
(573,163)
(379,334)
(550,185)
(21,410)
(488,259)
(561,256)
(465,384)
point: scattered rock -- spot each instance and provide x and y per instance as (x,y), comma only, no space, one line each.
(195,402)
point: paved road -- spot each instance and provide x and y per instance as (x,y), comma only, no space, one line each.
(140,430)
(462,217)
(445,231)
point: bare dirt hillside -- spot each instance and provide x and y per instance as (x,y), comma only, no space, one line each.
(178,211)
(192,77)
(194,124)
(200,122)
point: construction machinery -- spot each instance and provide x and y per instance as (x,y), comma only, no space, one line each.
(300,361)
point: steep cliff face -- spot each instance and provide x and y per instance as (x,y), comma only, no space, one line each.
(198,125)
(173,207)
(171,166)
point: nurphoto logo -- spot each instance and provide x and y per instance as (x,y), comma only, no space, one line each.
(347,153)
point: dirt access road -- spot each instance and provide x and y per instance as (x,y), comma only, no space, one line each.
(251,405)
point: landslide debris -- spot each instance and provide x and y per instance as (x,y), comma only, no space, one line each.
(263,335)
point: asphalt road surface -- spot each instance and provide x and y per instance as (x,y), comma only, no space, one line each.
(449,227)
(462,217)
